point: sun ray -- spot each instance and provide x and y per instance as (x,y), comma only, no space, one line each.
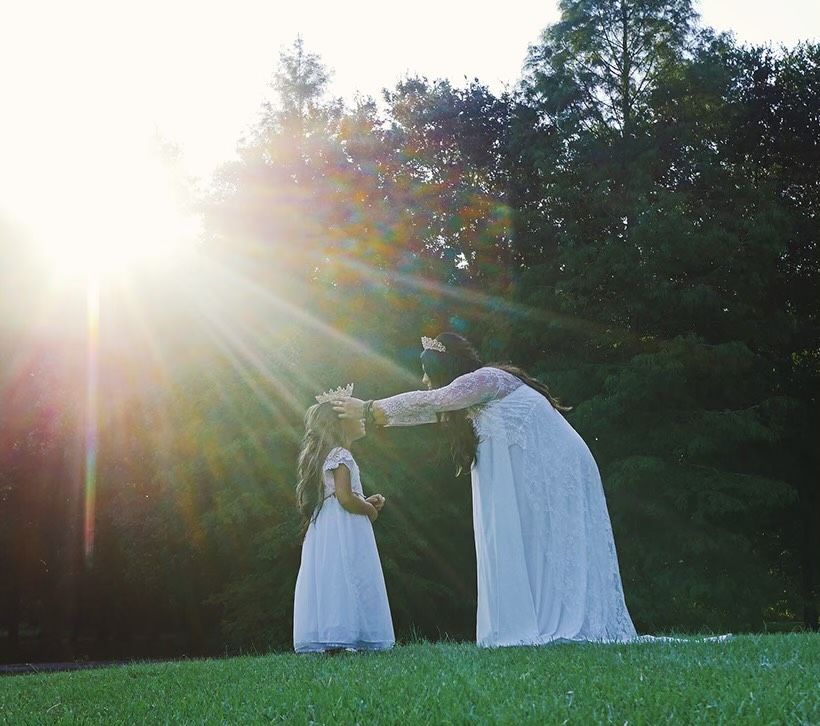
(296,314)
(479,300)
(91,414)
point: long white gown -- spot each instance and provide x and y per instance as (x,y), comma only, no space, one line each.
(340,599)
(547,566)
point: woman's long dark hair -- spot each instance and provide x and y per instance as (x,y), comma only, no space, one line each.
(443,368)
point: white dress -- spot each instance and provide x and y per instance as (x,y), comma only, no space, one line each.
(547,567)
(340,599)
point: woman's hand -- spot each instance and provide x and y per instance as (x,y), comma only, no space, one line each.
(377,500)
(349,408)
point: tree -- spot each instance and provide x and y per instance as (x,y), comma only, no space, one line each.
(300,82)
(599,64)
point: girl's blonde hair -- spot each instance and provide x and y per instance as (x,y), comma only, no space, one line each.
(323,432)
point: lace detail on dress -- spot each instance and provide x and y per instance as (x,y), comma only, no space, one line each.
(338,456)
(471,389)
(579,504)
(508,416)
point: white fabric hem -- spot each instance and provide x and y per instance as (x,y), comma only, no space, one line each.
(537,642)
(359,645)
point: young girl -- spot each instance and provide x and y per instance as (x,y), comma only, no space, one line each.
(340,600)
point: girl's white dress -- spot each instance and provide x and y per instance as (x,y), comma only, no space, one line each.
(340,600)
(547,567)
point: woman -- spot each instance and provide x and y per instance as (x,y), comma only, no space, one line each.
(547,567)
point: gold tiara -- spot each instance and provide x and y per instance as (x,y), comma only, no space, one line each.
(431,344)
(340,392)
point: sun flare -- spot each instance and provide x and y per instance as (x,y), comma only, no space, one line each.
(112,217)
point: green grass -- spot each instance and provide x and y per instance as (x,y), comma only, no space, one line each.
(749,679)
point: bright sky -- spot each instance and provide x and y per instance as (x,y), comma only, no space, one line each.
(85,83)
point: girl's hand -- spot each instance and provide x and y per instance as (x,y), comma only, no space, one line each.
(349,408)
(373,514)
(377,500)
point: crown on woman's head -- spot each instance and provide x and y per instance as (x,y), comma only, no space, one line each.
(340,392)
(432,344)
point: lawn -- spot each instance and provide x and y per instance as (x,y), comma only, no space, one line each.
(758,679)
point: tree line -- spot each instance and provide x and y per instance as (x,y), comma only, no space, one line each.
(635,223)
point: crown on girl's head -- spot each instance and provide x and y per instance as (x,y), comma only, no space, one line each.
(431,344)
(340,392)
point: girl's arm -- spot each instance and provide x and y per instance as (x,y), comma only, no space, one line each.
(346,497)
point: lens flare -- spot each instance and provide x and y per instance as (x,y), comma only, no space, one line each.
(92,382)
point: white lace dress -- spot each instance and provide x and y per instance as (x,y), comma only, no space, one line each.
(547,567)
(340,599)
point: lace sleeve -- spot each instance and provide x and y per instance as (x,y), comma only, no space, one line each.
(338,456)
(471,389)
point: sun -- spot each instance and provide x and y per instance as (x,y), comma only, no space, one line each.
(113,216)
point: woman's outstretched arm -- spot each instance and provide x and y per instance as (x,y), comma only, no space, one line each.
(416,407)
